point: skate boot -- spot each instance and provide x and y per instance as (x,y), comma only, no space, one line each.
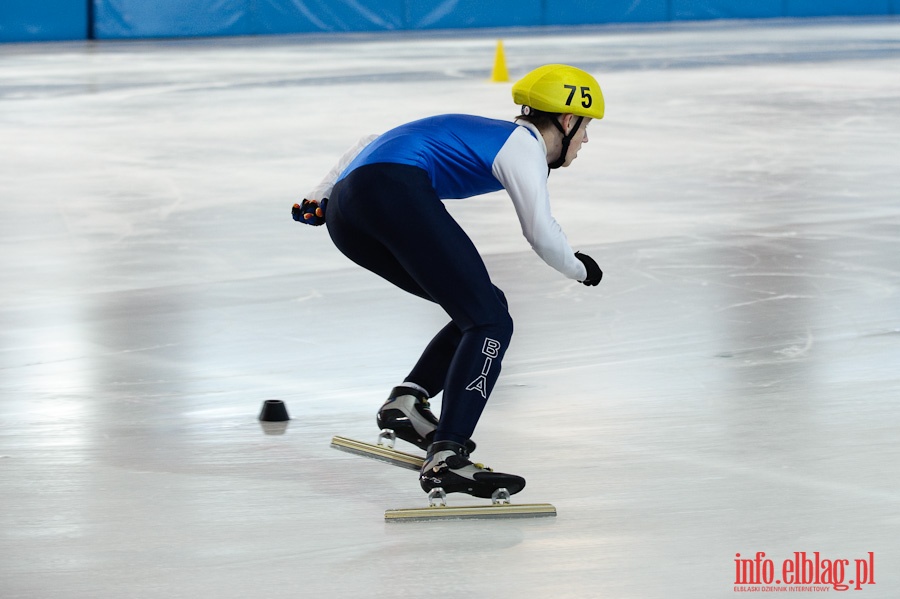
(448,466)
(408,413)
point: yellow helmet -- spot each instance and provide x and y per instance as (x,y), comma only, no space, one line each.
(561,89)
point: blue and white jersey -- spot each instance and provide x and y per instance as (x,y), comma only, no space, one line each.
(466,156)
(457,152)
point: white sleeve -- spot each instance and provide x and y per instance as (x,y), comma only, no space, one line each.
(323,189)
(521,167)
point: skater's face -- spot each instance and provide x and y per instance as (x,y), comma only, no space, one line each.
(569,121)
(553,137)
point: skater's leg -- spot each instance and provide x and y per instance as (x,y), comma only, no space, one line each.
(406,411)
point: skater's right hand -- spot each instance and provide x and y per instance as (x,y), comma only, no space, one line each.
(594,274)
(310,212)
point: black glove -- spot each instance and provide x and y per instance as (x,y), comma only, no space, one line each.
(594,274)
(310,212)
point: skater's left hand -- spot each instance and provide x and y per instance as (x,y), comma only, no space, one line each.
(310,212)
(594,274)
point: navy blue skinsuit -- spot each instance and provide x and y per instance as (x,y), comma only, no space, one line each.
(385,213)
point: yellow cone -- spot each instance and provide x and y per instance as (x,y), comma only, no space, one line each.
(499,74)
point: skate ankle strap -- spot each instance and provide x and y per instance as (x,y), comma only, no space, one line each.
(456,448)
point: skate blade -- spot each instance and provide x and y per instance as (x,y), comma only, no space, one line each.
(381,453)
(472,512)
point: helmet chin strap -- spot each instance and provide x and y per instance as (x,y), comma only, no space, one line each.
(566,140)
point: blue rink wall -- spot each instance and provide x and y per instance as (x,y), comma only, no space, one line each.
(46,20)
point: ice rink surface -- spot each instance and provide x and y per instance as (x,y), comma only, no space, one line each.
(731,387)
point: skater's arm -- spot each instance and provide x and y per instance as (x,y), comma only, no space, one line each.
(323,189)
(521,167)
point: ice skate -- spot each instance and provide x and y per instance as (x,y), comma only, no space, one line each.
(448,467)
(408,413)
